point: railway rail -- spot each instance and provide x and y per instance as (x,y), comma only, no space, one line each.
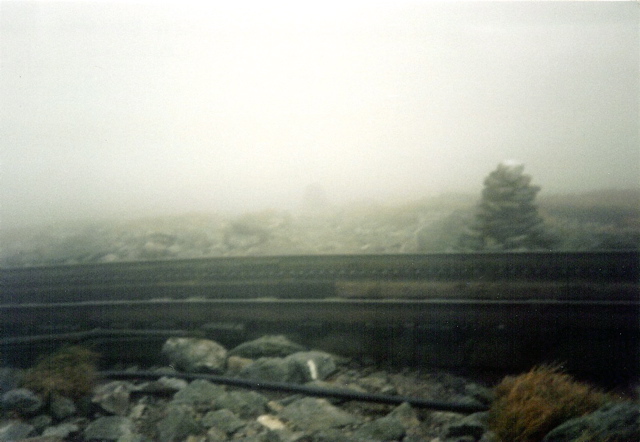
(484,309)
(319,274)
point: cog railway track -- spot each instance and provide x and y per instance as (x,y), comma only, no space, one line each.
(492,310)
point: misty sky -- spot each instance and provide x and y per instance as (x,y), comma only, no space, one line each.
(122,108)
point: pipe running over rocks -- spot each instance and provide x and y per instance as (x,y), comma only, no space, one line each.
(347,395)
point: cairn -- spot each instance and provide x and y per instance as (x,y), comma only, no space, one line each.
(506,217)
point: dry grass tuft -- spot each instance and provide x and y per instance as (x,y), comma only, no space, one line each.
(530,405)
(70,372)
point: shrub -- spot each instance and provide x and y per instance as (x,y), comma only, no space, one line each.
(528,406)
(70,372)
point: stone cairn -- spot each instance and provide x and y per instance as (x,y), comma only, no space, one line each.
(506,217)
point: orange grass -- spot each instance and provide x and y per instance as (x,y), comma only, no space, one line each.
(528,406)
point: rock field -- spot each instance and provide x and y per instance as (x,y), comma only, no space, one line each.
(173,409)
(170,408)
(596,221)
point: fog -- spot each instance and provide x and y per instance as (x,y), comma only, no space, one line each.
(119,109)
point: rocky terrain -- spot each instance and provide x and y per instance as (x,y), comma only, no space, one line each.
(592,221)
(41,405)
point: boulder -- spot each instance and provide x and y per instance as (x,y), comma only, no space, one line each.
(195,355)
(296,368)
(62,407)
(267,346)
(20,400)
(63,431)
(473,425)
(613,422)
(109,428)
(224,420)
(311,414)
(199,392)
(15,430)
(384,428)
(179,422)
(246,404)
(113,397)
(406,415)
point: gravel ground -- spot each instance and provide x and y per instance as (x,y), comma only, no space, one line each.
(172,408)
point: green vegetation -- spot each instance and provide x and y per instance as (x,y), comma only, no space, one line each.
(506,217)
(70,372)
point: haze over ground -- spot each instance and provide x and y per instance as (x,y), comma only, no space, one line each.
(118,109)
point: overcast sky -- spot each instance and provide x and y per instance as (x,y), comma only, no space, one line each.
(124,108)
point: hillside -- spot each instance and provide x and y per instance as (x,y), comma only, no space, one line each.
(600,220)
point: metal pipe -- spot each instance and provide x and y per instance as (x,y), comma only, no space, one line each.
(303,389)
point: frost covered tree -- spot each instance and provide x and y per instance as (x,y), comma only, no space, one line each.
(506,217)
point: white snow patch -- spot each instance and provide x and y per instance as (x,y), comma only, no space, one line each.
(271,422)
(313,369)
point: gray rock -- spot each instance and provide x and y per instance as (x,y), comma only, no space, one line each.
(253,431)
(14,430)
(473,425)
(236,363)
(296,368)
(245,404)
(109,428)
(224,420)
(271,370)
(113,397)
(331,435)
(62,407)
(267,346)
(40,422)
(282,435)
(313,414)
(178,423)
(174,383)
(214,434)
(314,365)
(196,355)
(406,415)
(489,436)
(200,393)
(62,431)
(482,394)
(385,428)
(374,382)
(467,400)
(614,422)
(164,385)
(20,400)
(138,410)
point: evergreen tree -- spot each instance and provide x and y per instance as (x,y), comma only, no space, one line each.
(506,217)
